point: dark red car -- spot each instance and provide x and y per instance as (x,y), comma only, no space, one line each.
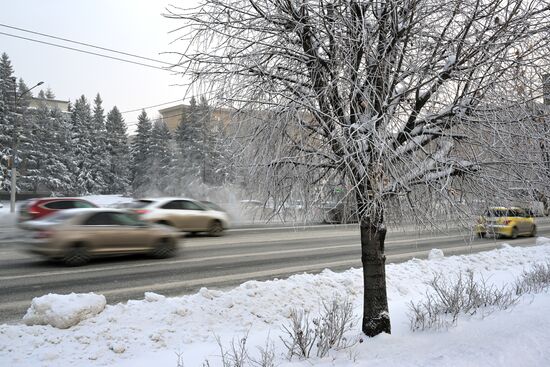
(37,208)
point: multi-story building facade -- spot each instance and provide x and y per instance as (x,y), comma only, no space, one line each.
(63,106)
(172,115)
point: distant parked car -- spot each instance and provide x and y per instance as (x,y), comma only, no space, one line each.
(509,222)
(337,213)
(75,235)
(254,209)
(38,208)
(184,214)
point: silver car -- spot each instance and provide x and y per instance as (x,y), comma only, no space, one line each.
(183,214)
(75,235)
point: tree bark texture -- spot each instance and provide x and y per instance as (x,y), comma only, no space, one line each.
(376,318)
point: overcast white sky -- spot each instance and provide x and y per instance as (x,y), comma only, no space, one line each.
(133,26)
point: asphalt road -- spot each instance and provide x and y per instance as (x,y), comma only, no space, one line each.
(239,256)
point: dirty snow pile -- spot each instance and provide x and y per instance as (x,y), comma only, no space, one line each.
(64,311)
(152,331)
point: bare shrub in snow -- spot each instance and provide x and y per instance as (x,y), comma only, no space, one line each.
(300,333)
(536,280)
(236,355)
(334,322)
(447,299)
(180,359)
(267,356)
(325,332)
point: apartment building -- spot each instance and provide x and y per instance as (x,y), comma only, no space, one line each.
(63,106)
(172,115)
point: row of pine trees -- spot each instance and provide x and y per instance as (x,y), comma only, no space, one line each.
(87,151)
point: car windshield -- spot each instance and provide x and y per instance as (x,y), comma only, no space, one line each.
(138,204)
(497,213)
(211,206)
(59,216)
(84,204)
(127,219)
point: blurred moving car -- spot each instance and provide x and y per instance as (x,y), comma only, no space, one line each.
(510,222)
(37,208)
(75,235)
(184,214)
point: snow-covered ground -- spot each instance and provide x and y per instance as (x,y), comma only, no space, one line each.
(149,332)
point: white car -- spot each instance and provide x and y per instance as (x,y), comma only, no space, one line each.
(183,213)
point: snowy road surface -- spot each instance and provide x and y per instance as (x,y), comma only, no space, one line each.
(152,329)
(239,256)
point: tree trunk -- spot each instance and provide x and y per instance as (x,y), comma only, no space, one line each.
(376,318)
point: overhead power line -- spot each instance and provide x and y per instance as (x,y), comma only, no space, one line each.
(96,54)
(85,44)
(86,52)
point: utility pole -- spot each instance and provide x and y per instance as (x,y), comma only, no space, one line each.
(13,187)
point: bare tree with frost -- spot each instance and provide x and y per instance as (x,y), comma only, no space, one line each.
(394,97)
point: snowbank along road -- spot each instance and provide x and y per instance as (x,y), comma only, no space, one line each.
(219,262)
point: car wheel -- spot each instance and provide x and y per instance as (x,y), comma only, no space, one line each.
(534,231)
(215,228)
(164,248)
(76,255)
(515,233)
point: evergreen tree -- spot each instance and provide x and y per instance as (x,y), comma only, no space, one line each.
(63,149)
(206,141)
(22,131)
(141,181)
(7,119)
(195,121)
(30,139)
(49,94)
(160,157)
(219,157)
(181,133)
(83,174)
(24,94)
(99,153)
(24,125)
(189,141)
(119,152)
(45,160)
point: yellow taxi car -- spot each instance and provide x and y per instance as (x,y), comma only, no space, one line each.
(509,222)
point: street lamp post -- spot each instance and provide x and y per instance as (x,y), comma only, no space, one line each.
(13,187)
